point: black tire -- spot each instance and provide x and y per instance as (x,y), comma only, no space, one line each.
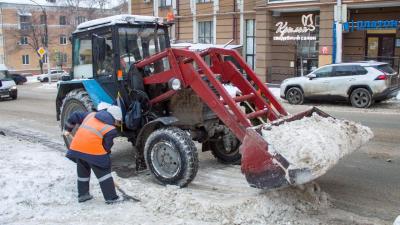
(175,151)
(74,101)
(219,151)
(45,80)
(295,96)
(13,97)
(361,98)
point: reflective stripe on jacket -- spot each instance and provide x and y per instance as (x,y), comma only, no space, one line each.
(89,137)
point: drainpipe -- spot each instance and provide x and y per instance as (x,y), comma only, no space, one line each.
(241,9)
(339,32)
(155,8)
(193,9)
(215,10)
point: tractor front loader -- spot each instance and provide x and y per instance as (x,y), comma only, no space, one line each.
(178,97)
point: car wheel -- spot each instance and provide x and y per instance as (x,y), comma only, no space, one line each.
(295,96)
(45,79)
(171,156)
(14,96)
(361,98)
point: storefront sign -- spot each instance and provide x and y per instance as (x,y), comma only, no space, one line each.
(370,25)
(324,50)
(287,33)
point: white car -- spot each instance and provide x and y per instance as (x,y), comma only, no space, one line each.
(54,75)
(8,88)
(361,83)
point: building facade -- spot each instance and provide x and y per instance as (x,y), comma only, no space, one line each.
(286,38)
(22,33)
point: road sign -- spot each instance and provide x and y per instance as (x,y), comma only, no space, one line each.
(41,51)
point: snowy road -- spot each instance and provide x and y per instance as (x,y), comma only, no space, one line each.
(362,183)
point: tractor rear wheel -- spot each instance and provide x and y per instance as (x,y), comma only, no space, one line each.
(226,154)
(77,100)
(171,156)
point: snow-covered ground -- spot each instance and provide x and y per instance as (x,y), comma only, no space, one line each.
(39,187)
(32,79)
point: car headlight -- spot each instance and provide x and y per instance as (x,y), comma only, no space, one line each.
(13,88)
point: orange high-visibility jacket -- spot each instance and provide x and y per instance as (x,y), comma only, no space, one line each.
(89,137)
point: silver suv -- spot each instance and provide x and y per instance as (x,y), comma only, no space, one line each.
(361,83)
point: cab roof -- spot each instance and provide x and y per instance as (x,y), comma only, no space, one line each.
(118,19)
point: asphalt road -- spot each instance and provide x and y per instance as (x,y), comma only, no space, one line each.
(366,183)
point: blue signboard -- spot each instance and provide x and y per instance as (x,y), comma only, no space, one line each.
(351,26)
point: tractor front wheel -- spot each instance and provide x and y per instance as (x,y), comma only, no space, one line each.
(77,100)
(171,156)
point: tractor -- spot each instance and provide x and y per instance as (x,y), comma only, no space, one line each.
(172,98)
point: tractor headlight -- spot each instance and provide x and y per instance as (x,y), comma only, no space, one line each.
(13,88)
(174,84)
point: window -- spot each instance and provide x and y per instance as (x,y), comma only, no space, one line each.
(61,58)
(203,1)
(63,40)
(165,3)
(23,40)
(205,32)
(63,20)
(343,71)
(385,68)
(25,59)
(80,19)
(250,42)
(44,40)
(359,70)
(24,22)
(82,58)
(42,19)
(324,72)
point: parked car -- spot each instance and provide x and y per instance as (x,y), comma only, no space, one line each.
(18,78)
(360,83)
(8,88)
(54,75)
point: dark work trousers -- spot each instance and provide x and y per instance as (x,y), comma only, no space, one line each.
(103,175)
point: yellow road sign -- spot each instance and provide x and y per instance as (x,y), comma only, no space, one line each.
(41,52)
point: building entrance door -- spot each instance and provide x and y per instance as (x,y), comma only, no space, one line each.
(380,46)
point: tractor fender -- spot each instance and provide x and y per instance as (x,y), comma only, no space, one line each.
(150,127)
(96,93)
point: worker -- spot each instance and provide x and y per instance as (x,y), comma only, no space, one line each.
(90,149)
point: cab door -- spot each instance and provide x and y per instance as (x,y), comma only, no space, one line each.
(103,52)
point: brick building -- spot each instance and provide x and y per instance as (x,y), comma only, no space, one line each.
(22,32)
(285,38)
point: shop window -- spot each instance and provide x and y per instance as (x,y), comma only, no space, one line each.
(165,3)
(203,1)
(25,59)
(250,42)
(205,32)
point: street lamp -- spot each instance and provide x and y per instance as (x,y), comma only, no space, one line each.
(46,38)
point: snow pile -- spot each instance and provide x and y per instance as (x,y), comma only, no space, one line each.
(316,142)
(32,79)
(39,187)
(47,86)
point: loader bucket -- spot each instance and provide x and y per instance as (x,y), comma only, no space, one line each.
(266,169)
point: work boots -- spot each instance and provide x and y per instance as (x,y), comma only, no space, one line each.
(84,198)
